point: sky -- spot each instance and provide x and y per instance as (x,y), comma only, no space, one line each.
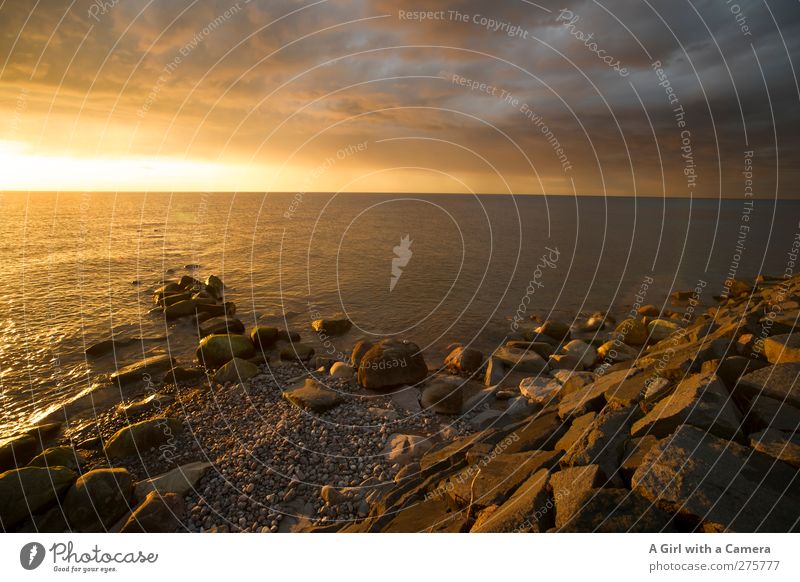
(656,98)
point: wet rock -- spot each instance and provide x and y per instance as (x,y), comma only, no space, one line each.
(332,326)
(617,511)
(180,480)
(30,489)
(215,285)
(172,299)
(520,360)
(443,395)
(17,451)
(296,352)
(144,369)
(182,308)
(98,499)
(783,349)
(701,401)
(720,484)
(107,346)
(218,349)
(190,283)
(782,445)
(221,325)
(264,337)
(168,289)
(342,370)
(529,509)
(406,448)
(632,332)
(464,360)
(544,349)
(778,381)
(570,488)
(142,436)
(158,513)
(392,362)
(313,396)
(59,457)
(235,371)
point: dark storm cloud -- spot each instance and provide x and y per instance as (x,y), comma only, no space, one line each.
(265,76)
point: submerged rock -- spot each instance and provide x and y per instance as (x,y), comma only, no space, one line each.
(332,326)
(144,369)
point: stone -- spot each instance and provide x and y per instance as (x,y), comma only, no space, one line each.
(520,407)
(107,346)
(235,371)
(617,511)
(215,286)
(342,370)
(649,310)
(544,349)
(181,480)
(765,412)
(700,400)
(332,326)
(635,451)
(287,335)
(296,352)
(529,509)
(158,513)
(59,457)
(661,329)
(406,448)
(572,380)
(583,351)
(779,382)
(182,308)
(540,432)
(576,431)
(168,289)
(313,397)
(616,351)
(591,398)
(542,390)
(146,405)
(632,332)
(407,400)
(718,483)
(464,360)
(495,372)
(139,438)
(182,374)
(443,396)
(221,325)
(219,349)
(264,337)
(655,388)
(144,369)
(557,330)
(173,298)
(570,487)
(603,443)
(29,490)
(360,348)
(17,451)
(432,515)
(49,521)
(331,496)
(521,360)
(392,362)
(782,445)
(492,480)
(783,349)
(564,362)
(98,499)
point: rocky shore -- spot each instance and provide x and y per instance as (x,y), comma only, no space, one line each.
(668,420)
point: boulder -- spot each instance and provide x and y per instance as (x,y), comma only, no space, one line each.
(557,330)
(218,349)
(602,443)
(158,513)
(443,396)
(540,389)
(782,445)
(183,374)
(585,353)
(521,360)
(313,396)
(661,329)
(407,400)
(718,483)
(342,370)
(221,325)
(406,448)
(215,286)
(570,488)
(98,499)
(264,337)
(577,430)
(181,480)
(616,351)
(360,348)
(464,360)
(168,289)
(540,432)
(142,436)
(144,369)
(700,400)
(58,457)
(172,299)
(564,362)
(635,451)
(30,490)
(332,326)
(190,283)
(237,370)
(331,496)
(182,308)
(495,372)
(17,451)
(296,352)
(783,349)
(287,335)
(146,405)
(529,509)
(632,332)
(765,412)
(617,511)
(544,349)
(649,310)
(392,362)
(779,382)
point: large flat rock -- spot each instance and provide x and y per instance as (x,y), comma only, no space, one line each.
(530,509)
(781,382)
(720,484)
(617,511)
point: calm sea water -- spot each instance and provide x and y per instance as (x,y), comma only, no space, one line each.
(75,268)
